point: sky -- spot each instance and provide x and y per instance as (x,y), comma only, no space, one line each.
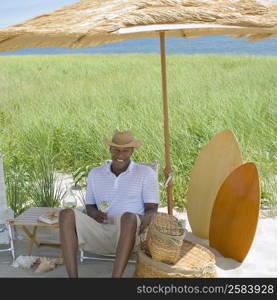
(13,12)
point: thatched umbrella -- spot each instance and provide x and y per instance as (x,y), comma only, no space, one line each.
(96,22)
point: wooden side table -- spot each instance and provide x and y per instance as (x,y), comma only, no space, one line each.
(30,218)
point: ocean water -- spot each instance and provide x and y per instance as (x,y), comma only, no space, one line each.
(204,45)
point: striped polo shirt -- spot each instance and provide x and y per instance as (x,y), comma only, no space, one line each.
(127,192)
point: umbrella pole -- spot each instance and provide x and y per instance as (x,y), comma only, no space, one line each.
(167,169)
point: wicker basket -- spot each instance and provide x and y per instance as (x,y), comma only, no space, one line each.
(165,238)
(195,261)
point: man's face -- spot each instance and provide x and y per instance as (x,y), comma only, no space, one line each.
(121,156)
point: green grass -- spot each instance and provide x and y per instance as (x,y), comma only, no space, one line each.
(66,104)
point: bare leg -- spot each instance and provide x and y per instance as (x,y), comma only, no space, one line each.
(128,227)
(69,240)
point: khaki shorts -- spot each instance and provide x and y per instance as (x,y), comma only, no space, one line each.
(100,238)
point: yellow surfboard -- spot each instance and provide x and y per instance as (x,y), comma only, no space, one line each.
(215,162)
(235,213)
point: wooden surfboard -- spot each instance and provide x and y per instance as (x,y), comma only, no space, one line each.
(215,162)
(235,213)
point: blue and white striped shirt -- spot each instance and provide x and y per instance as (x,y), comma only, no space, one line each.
(127,192)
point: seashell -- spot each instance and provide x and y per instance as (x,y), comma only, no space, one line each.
(25,262)
(45,265)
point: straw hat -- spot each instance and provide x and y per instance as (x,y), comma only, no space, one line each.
(122,139)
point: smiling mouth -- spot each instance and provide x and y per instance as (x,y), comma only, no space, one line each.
(120,160)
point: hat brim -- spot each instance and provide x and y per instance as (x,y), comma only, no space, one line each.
(133,144)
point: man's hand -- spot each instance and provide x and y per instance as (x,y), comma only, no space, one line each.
(145,221)
(150,209)
(100,216)
(96,214)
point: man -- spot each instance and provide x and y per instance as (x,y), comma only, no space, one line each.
(133,193)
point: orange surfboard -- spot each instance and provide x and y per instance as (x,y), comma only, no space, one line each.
(235,213)
(218,158)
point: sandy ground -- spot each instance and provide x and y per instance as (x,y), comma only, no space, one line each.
(87,268)
(261,261)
